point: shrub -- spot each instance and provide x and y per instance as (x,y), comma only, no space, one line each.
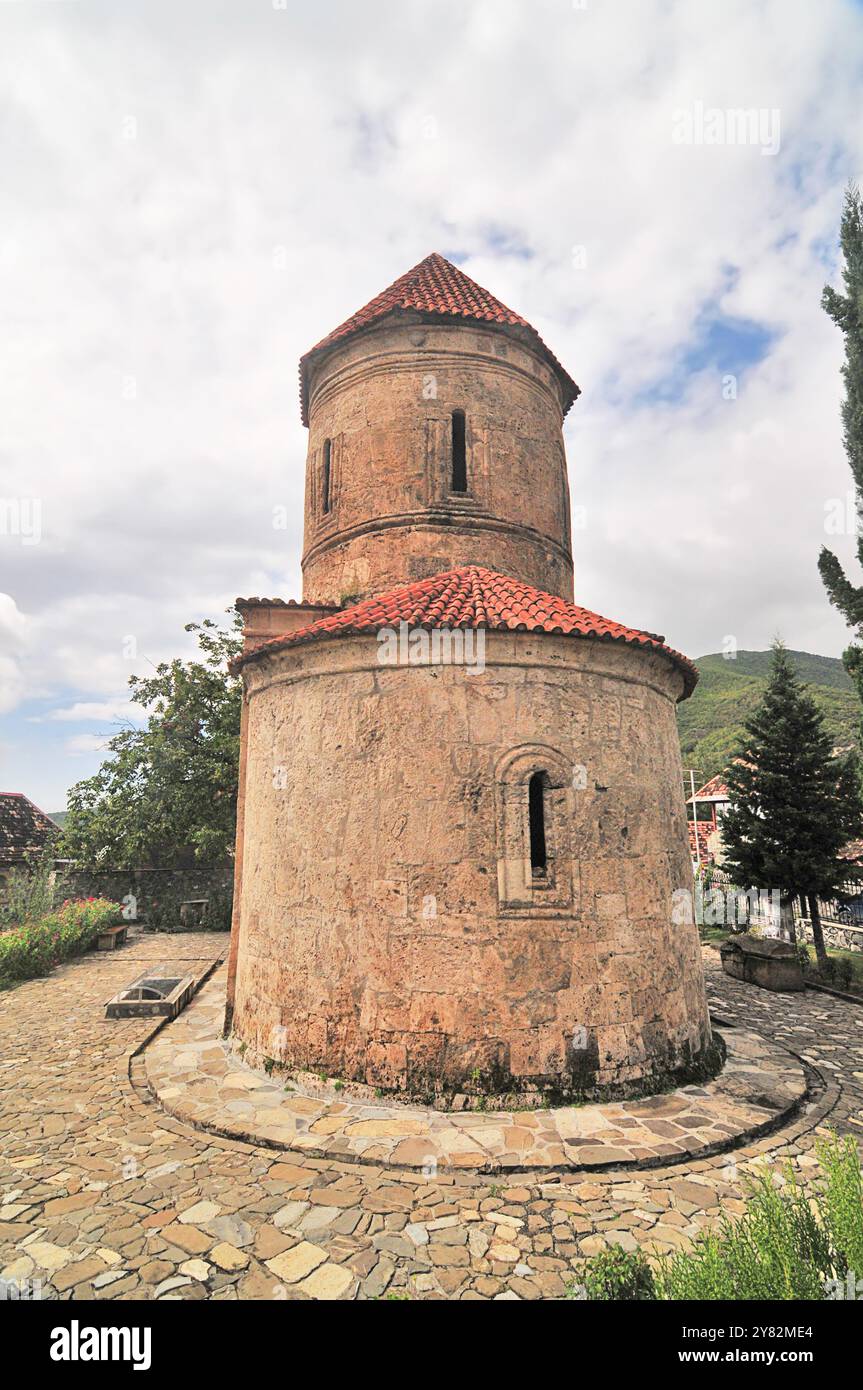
(617,1276)
(28,892)
(35,947)
(840,1202)
(838,973)
(787,1245)
(777,1250)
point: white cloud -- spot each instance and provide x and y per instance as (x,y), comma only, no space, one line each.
(13,633)
(121,711)
(85,743)
(197,193)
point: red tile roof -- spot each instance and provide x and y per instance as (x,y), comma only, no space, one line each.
(440,289)
(472,597)
(24,829)
(714,790)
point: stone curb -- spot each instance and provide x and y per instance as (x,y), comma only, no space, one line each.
(160,1023)
(193,1098)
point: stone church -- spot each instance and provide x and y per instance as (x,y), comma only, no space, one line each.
(456,875)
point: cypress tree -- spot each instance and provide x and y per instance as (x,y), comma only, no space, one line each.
(846,311)
(793,803)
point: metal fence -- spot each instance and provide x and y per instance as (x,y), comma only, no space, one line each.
(841,916)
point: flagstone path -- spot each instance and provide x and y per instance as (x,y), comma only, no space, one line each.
(197,1077)
(104,1194)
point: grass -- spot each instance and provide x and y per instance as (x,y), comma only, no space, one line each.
(714,936)
(789,1245)
(854,961)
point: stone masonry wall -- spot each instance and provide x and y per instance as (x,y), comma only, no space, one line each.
(389,926)
(158,893)
(384,400)
(836,935)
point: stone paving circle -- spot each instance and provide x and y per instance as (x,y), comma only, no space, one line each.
(198,1078)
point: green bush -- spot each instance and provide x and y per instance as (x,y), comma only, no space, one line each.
(840,1203)
(35,947)
(787,1245)
(616,1276)
(777,1250)
(28,892)
(844,969)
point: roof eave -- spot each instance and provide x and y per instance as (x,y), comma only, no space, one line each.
(688,671)
(525,333)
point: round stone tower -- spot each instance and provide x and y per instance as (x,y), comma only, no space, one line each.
(435,421)
(461,825)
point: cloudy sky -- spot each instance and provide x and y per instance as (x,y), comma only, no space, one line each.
(194,193)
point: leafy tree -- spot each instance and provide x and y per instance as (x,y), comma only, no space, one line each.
(793,804)
(167,794)
(846,311)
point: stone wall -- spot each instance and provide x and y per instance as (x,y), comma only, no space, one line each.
(836,936)
(384,401)
(390,928)
(158,893)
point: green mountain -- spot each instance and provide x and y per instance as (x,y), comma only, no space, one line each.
(711,721)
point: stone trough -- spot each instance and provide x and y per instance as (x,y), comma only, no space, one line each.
(764,961)
(152,996)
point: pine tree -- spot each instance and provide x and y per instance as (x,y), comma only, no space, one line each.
(793,803)
(846,311)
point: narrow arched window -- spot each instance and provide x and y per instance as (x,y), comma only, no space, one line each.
(459,453)
(536,818)
(325,476)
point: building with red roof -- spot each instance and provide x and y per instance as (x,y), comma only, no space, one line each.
(715,796)
(460,822)
(25,831)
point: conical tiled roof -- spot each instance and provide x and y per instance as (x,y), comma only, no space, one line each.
(438,288)
(472,597)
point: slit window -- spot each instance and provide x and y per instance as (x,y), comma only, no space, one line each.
(536,820)
(325,476)
(459,453)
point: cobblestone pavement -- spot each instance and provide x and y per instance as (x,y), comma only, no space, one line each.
(105,1195)
(199,1078)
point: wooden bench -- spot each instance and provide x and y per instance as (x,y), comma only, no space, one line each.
(112,937)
